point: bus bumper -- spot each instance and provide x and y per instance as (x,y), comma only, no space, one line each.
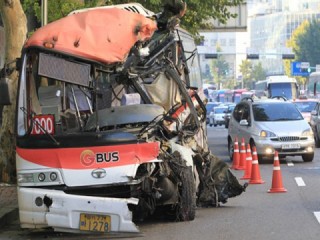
(42,208)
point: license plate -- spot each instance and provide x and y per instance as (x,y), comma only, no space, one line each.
(291,146)
(95,223)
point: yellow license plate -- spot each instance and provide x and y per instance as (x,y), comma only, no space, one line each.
(95,223)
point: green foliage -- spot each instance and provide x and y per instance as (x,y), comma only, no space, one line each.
(251,73)
(196,18)
(57,8)
(258,73)
(246,70)
(219,68)
(305,41)
(308,43)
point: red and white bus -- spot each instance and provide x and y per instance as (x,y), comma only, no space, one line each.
(100,120)
(111,124)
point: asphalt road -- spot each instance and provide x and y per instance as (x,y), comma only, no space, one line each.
(255,214)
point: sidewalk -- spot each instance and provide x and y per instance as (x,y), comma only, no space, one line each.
(8,204)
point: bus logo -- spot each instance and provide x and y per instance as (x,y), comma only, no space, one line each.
(87,157)
(99,173)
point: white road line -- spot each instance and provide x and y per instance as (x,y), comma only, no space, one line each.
(300,181)
(290,164)
(317,215)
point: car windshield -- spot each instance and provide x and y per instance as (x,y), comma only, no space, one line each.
(275,112)
(305,106)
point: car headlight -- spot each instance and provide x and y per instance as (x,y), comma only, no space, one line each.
(307,133)
(265,133)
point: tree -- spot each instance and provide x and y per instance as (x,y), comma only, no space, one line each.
(246,71)
(197,16)
(258,73)
(308,44)
(57,8)
(15,25)
(304,51)
(219,68)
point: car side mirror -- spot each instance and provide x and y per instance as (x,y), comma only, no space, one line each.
(314,112)
(244,122)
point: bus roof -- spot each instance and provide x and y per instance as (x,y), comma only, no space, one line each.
(97,34)
(280,78)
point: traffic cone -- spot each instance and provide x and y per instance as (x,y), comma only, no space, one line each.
(255,171)
(243,155)
(276,176)
(236,155)
(247,171)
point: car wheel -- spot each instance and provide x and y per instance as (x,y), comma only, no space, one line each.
(215,125)
(210,125)
(308,157)
(316,139)
(230,149)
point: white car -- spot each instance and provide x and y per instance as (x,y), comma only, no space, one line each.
(271,125)
(216,116)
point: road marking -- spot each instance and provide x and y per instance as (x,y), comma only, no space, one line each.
(290,164)
(312,168)
(317,215)
(300,181)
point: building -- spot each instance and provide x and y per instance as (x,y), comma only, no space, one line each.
(233,49)
(271,24)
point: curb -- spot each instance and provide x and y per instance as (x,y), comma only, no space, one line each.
(9,211)
(11,215)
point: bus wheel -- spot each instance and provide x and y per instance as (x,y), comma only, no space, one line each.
(187,198)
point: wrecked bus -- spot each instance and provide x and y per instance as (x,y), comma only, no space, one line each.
(111,125)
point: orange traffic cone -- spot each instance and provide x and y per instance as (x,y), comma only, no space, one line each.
(236,154)
(276,176)
(243,155)
(255,171)
(247,171)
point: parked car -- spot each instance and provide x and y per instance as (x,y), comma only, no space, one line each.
(216,116)
(271,125)
(209,107)
(227,114)
(315,124)
(305,106)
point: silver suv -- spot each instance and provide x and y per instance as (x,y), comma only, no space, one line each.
(271,125)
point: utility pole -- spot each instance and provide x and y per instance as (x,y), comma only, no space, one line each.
(44,12)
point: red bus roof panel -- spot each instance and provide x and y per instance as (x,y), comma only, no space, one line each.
(104,35)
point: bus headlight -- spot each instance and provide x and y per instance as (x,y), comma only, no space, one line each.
(25,178)
(39,178)
(53,176)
